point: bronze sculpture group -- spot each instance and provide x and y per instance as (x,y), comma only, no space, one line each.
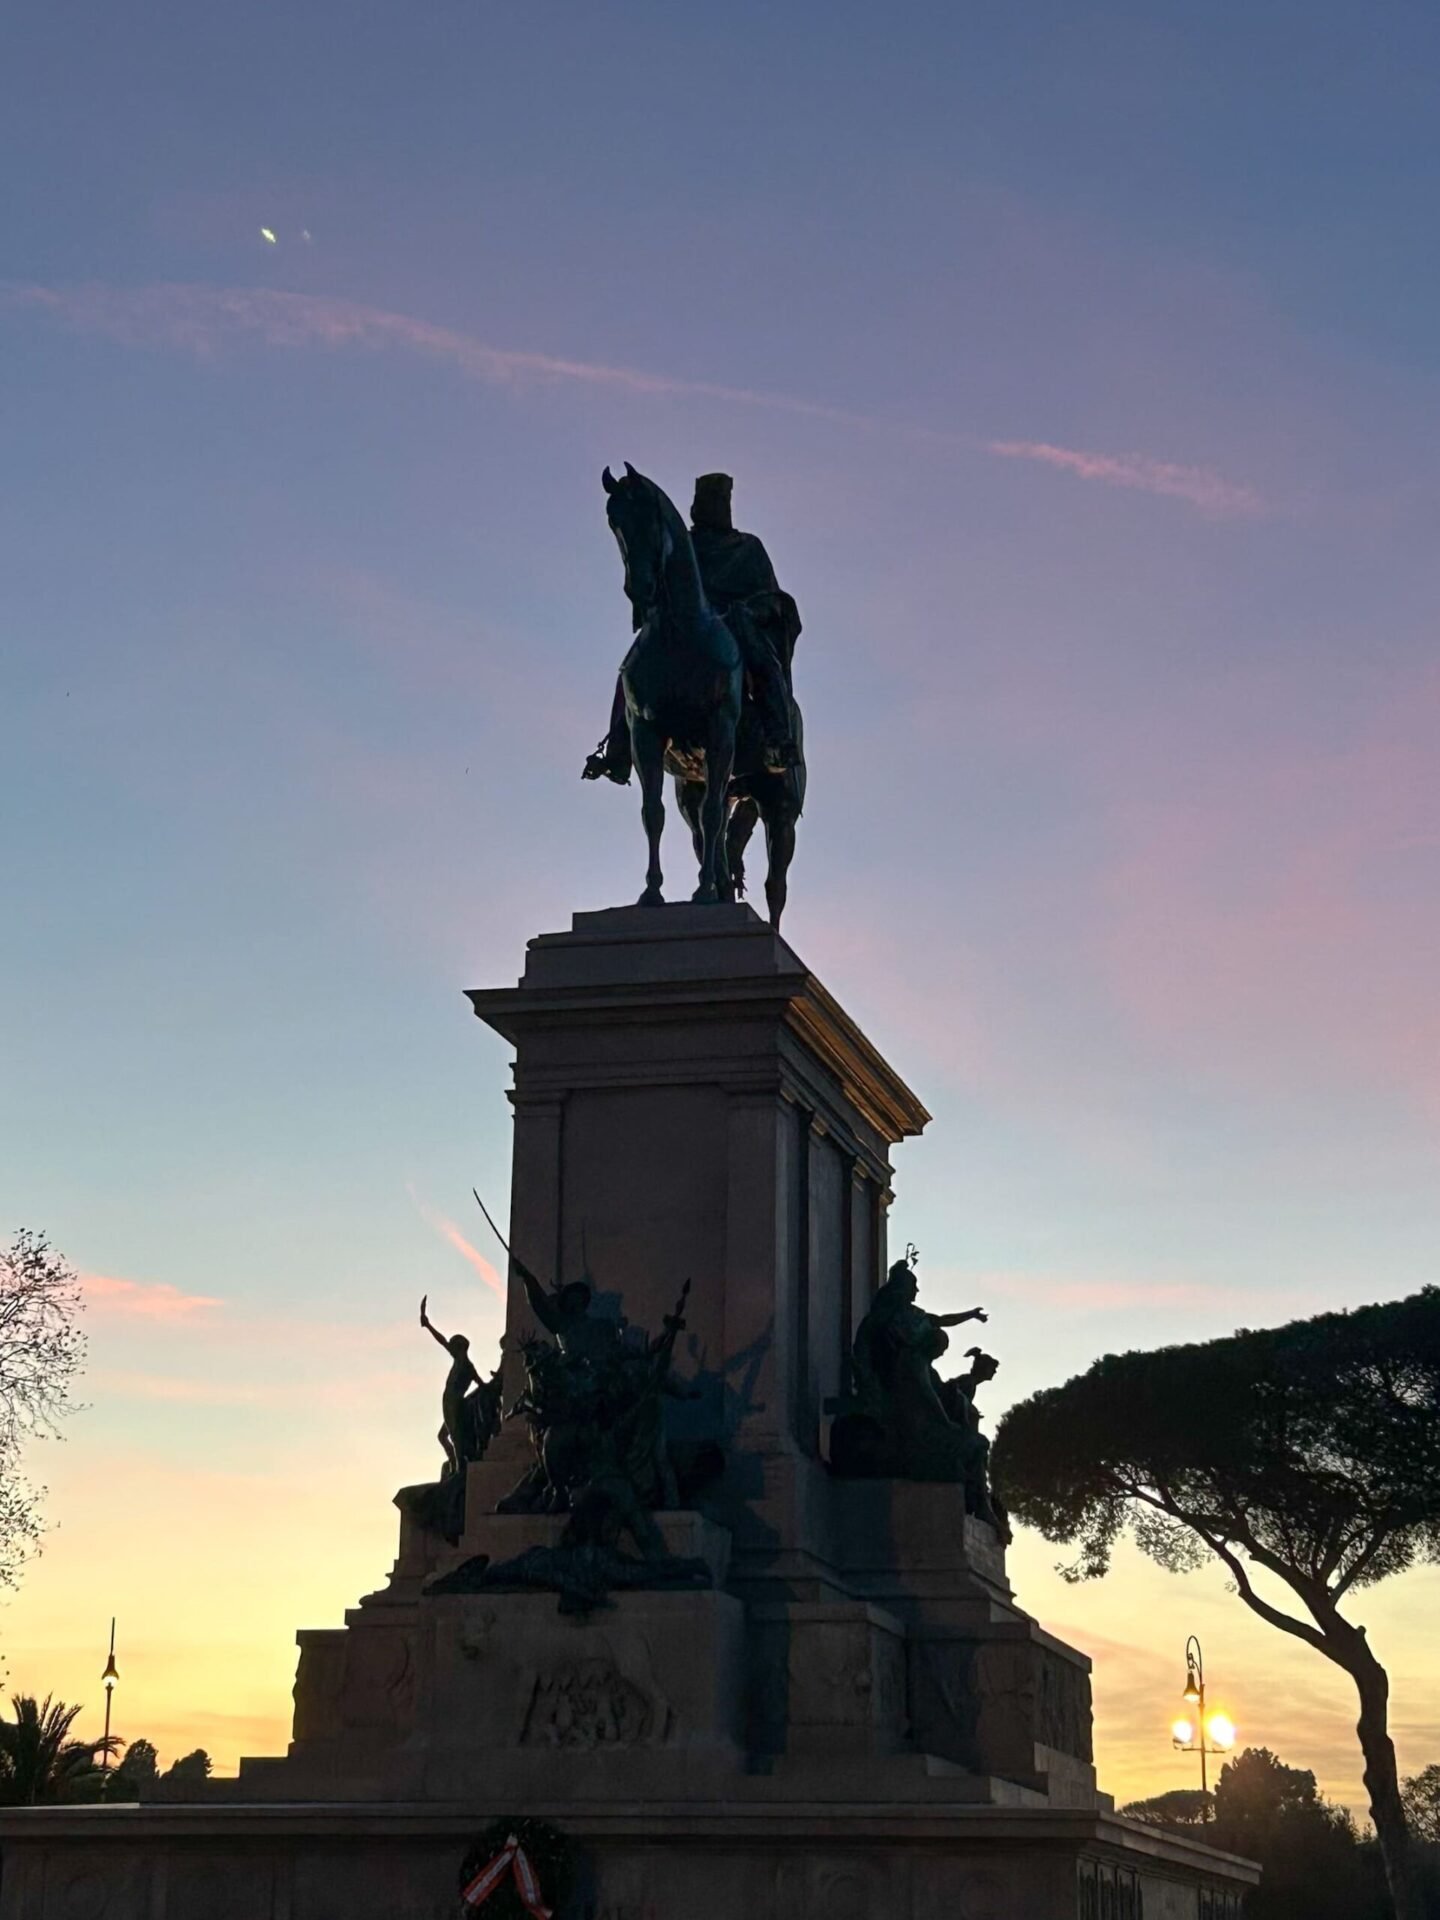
(593,1401)
(705,692)
(901,1420)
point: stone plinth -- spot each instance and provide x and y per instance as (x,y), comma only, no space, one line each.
(854,1721)
(690,1102)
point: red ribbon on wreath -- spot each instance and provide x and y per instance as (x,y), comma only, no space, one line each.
(512,1859)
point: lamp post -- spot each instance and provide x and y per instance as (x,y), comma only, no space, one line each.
(109,1678)
(1190,1736)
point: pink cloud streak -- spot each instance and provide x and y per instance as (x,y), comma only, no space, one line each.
(149,1300)
(448,1230)
(202,320)
(451,1234)
(1201,487)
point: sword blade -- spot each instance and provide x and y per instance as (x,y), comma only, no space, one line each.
(490,1223)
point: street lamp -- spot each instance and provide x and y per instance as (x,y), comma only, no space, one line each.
(1198,1734)
(108,1678)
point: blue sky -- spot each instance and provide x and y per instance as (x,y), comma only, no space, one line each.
(1077,365)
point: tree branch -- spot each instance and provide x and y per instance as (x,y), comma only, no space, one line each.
(1222,1550)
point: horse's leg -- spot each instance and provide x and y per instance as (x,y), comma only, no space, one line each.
(719,761)
(688,796)
(743,816)
(649,753)
(780,843)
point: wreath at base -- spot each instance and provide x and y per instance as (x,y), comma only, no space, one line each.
(517,1870)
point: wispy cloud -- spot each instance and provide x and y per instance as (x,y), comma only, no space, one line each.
(1094,1293)
(1085,1293)
(451,1234)
(1200,486)
(204,320)
(144,1299)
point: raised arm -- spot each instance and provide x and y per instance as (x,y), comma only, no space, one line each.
(959,1319)
(542,1305)
(425,1321)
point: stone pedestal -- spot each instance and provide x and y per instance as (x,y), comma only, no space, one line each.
(854,1721)
(690,1103)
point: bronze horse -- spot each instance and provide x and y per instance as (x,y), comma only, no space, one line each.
(664,683)
(683,678)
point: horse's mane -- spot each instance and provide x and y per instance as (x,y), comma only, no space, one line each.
(682,548)
(669,512)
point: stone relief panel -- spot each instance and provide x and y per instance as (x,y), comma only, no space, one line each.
(221,1885)
(890,1684)
(844,1673)
(831,1887)
(378,1689)
(983,1896)
(944,1701)
(1106,1892)
(988,1703)
(1219,1903)
(584,1704)
(1065,1717)
(81,1886)
(544,1680)
(318,1677)
(1010,1887)
(402,1882)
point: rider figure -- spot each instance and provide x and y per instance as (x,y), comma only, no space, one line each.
(740,585)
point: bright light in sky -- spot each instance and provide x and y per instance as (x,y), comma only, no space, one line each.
(268,235)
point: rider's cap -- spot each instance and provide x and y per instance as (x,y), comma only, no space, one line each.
(711,507)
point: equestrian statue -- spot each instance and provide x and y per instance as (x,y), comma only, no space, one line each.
(705,691)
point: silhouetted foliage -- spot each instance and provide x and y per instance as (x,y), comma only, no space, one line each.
(41,1349)
(1314,1865)
(1420,1794)
(1184,1807)
(190,1768)
(139,1769)
(1311,1451)
(40,1762)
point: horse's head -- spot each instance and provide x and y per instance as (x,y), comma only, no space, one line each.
(637,519)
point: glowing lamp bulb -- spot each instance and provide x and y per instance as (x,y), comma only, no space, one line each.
(1222,1730)
(1183,1732)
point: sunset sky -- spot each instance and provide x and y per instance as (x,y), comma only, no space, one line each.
(1078,365)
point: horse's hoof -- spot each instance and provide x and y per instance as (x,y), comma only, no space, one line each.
(652,897)
(706,896)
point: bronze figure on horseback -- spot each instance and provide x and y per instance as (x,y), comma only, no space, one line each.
(672,699)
